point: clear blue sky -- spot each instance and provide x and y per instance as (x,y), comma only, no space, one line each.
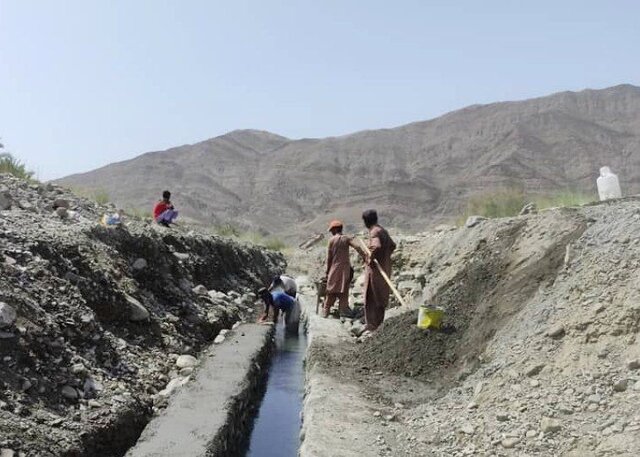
(85,83)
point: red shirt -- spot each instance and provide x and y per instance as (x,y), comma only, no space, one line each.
(160,208)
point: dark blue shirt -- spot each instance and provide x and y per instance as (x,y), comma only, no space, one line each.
(282,301)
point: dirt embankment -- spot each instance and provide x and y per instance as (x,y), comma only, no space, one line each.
(540,354)
(93,319)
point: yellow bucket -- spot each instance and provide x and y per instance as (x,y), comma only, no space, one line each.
(430,317)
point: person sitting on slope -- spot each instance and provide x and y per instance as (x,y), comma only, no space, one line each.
(164,213)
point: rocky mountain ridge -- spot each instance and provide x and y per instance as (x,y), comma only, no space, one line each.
(417,175)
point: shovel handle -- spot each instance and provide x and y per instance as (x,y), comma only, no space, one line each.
(384,275)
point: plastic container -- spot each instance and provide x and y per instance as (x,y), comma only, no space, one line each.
(608,185)
(430,317)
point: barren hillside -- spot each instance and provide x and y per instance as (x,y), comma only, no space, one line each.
(417,175)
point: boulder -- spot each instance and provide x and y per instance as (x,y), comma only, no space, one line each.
(139,264)
(557,331)
(472,221)
(137,312)
(5,201)
(200,290)
(549,425)
(63,213)
(61,203)
(69,393)
(7,315)
(529,208)
(186,361)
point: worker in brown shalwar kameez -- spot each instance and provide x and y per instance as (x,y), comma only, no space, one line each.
(376,290)
(339,271)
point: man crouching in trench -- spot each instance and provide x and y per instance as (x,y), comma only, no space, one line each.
(281,301)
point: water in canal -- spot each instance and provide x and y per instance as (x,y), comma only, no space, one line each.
(276,431)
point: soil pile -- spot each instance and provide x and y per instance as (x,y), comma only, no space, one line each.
(544,356)
(99,325)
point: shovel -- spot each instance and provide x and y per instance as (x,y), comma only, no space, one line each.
(384,275)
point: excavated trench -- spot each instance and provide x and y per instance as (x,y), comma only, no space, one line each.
(246,400)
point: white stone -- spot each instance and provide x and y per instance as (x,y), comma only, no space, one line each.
(173,385)
(7,315)
(186,361)
(140,264)
(219,339)
(509,443)
(200,290)
(549,425)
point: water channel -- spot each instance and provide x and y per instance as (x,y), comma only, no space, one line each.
(276,431)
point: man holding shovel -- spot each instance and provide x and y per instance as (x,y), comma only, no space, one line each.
(376,289)
(339,271)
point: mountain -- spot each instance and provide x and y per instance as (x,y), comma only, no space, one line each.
(416,175)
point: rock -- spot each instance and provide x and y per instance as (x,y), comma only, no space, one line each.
(91,385)
(569,254)
(621,385)
(509,443)
(5,201)
(529,208)
(549,425)
(61,203)
(502,417)
(181,255)
(534,383)
(186,361)
(69,393)
(186,371)
(63,213)
(78,369)
(137,312)
(357,329)
(633,364)
(557,331)
(472,221)
(139,264)
(173,385)
(200,290)
(535,369)
(6,452)
(467,429)
(219,339)
(8,315)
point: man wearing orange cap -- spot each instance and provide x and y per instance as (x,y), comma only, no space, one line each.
(339,271)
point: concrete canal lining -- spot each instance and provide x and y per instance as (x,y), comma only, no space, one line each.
(212,415)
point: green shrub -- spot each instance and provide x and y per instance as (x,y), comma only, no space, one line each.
(228,230)
(101,196)
(563,198)
(502,203)
(138,213)
(9,164)
(509,202)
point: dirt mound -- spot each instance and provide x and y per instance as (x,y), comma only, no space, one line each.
(402,348)
(93,319)
(489,278)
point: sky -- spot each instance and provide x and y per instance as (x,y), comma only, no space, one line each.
(86,83)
